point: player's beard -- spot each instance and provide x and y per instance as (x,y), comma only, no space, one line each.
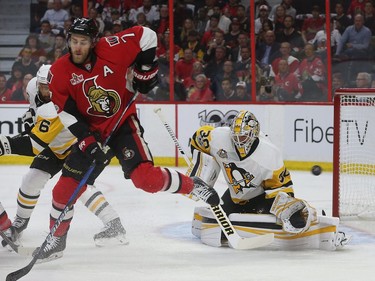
(80,57)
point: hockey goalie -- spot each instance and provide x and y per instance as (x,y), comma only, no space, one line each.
(260,196)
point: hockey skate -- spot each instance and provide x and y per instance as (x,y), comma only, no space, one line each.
(52,250)
(204,192)
(112,234)
(14,232)
(342,240)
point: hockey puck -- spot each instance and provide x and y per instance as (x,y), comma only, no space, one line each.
(316,170)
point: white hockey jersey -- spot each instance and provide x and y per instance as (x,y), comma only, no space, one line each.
(48,129)
(262,170)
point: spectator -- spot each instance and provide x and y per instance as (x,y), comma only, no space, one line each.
(161,25)
(217,40)
(320,40)
(243,41)
(286,86)
(243,18)
(338,82)
(259,3)
(278,20)
(269,50)
(266,26)
(201,92)
(225,18)
(181,38)
(312,74)
(291,35)
(289,9)
(60,45)
(215,66)
(46,37)
(355,41)
(208,35)
(184,66)
(56,16)
(363,80)
(262,18)
(93,14)
(194,45)
(341,19)
(312,25)
(150,11)
(117,26)
(5,93)
(75,10)
(15,80)
(356,7)
(20,94)
(225,91)
(227,73)
(231,38)
(26,63)
(285,51)
(67,25)
(38,54)
(197,69)
(201,20)
(242,92)
(232,7)
(369,16)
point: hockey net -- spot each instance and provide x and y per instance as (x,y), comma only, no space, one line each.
(354,154)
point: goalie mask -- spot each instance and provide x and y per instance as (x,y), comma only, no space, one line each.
(244,131)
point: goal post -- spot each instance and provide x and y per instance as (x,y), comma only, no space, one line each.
(354,154)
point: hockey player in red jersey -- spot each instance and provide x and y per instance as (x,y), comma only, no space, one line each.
(90,89)
(5,222)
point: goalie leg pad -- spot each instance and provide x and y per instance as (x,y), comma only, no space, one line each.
(292,211)
(205,227)
(5,147)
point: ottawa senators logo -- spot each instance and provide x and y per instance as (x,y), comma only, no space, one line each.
(238,178)
(103,102)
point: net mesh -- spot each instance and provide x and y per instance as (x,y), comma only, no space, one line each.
(357,156)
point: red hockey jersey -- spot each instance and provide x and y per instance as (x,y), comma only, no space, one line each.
(98,91)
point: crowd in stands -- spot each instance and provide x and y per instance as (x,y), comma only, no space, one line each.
(212,46)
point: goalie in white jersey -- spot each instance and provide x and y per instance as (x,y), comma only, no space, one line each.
(50,141)
(260,196)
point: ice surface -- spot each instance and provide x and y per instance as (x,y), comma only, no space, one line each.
(162,247)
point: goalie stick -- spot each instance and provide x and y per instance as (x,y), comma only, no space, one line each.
(23,251)
(13,276)
(234,239)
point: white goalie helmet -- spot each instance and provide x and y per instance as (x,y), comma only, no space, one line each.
(244,131)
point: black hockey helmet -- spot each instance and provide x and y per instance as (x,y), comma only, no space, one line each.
(84,26)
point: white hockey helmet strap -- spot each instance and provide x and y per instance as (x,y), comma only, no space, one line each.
(245,130)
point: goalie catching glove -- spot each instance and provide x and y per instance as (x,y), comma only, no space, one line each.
(296,215)
(145,77)
(94,149)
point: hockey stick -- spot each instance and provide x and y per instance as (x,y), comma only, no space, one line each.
(23,251)
(13,276)
(234,239)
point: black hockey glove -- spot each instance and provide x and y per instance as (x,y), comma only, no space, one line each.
(28,120)
(94,149)
(145,77)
